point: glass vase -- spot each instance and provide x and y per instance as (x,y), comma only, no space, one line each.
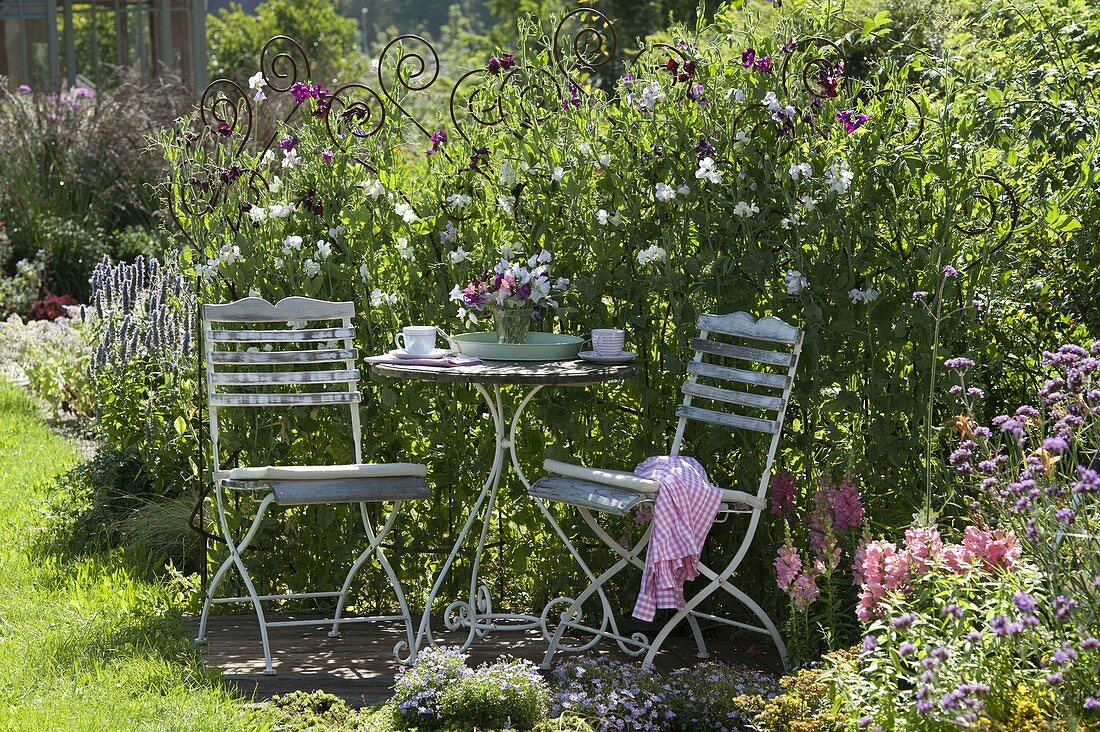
(512,324)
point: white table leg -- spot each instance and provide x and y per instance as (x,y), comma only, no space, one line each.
(475,613)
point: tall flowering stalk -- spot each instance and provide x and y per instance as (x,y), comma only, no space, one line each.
(810,565)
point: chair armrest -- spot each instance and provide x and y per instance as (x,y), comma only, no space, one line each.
(731,496)
(614,478)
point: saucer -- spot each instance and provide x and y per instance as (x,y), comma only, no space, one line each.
(593,357)
(434,354)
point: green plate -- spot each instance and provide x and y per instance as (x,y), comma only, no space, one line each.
(539,347)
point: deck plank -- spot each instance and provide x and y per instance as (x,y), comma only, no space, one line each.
(359,666)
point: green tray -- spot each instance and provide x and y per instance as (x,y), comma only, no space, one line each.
(539,347)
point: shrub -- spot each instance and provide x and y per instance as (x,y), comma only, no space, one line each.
(53,356)
(417,690)
(616,695)
(78,167)
(51,307)
(804,705)
(508,693)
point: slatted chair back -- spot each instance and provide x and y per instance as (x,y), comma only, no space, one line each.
(743,372)
(278,361)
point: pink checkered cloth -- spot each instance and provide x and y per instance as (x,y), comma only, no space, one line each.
(686,507)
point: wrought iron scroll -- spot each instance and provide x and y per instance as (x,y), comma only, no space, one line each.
(357,115)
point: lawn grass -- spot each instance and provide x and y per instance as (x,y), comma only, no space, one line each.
(89,640)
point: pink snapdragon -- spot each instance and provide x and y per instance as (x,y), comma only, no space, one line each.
(925,546)
(885,569)
(804,591)
(836,508)
(993,549)
(783,494)
(788,565)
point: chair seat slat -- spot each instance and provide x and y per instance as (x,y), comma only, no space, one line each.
(320,355)
(284,400)
(744,325)
(775,381)
(286,377)
(283,336)
(258,310)
(733,397)
(737,421)
(758,355)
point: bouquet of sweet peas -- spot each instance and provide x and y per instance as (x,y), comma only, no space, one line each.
(511,286)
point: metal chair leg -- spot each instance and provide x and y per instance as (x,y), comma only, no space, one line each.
(372,543)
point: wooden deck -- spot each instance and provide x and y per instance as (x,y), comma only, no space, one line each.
(359,665)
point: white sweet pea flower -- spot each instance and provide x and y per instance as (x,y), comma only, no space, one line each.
(276,184)
(682,189)
(229,253)
(280,211)
(809,202)
(403,249)
(291,158)
(795,282)
(745,210)
(258,214)
(459,255)
(364,271)
(800,171)
(336,231)
(737,94)
(652,254)
(379,298)
(562,284)
(838,178)
(603,217)
(605,160)
(862,296)
(256,81)
(324,249)
(374,64)
(507,251)
(458,201)
(373,187)
(508,176)
(292,242)
(545,256)
(647,100)
(278,261)
(741,138)
(405,211)
(268,156)
(664,193)
(585,149)
(558,174)
(707,173)
(311,268)
(506,204)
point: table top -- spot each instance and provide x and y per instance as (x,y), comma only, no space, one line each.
(561,373)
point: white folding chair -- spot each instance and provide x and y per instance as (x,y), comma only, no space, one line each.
(755,378)
(322,358)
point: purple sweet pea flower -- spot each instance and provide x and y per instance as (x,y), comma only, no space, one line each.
(327,156)
(852,119)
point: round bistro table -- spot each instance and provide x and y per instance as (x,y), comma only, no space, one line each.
(475,613)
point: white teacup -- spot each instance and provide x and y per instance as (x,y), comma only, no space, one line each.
(608,341)
(416,340)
